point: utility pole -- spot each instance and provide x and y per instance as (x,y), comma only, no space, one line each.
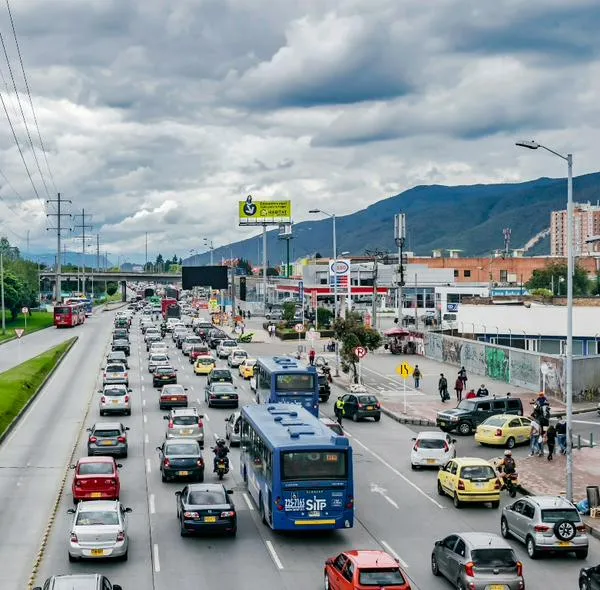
(98,252)
(400,238)
(59,229)
(83,226)
(377,256)
(146,264)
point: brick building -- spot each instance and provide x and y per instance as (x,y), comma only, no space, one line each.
(586,224)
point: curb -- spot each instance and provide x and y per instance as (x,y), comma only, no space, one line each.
(407,419)
(16,419)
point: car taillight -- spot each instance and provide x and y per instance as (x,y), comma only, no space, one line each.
(170,423)
(417,445)
(77,482)
(74,538)
(228,514)
(200,462)
(541,528)
(378,405)
(126,399)
(497,484)
(519,568)
(191,515)
(212,396)
(360,406)
(167,463)
(446,447)
(121,536)
(498,431)
(470,569)
(461,484)
(103,399)
(93,439)
(122,439)
(200,423)
(350,503)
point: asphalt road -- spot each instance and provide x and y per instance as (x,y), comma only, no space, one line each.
(397,509)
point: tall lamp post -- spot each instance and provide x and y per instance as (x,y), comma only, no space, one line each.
(211,247)
(335,285)
(534,145)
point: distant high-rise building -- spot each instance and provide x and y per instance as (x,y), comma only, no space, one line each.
(586,224)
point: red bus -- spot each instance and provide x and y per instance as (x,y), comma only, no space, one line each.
(69,315)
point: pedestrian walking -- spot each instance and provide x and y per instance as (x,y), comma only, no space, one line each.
(534,436)
(458,388)
(443,388)
(550,439)
(561,435)
(339,410)
(249,314)
(417,376)
(483,391)
(462,375)
(311,356)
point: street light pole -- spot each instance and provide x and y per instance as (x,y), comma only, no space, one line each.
(533,145)
(2,293)
(335,284)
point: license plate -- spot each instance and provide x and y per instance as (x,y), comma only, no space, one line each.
(183,473)
(479,485)
(107,443)
(96,494)
(442,423)
(115,401)
(225,397)
(431,461)
(210,519)
(97,552)
(369,407)
(173,399)
(189,431)
(496,587)
(565,544)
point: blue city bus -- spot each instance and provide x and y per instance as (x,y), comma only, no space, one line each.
(297,470)
(281,379)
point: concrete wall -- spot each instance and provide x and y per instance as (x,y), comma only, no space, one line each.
(586,374)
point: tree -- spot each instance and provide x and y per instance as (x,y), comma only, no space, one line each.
(352,332)
(289,310)
(245,265)
(324,316)
(111,288)
(555,274)
(272,272)
(16,294)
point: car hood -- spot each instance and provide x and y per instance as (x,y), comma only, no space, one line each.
(452,412)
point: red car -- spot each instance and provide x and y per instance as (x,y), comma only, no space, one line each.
(358,570)
(96,478)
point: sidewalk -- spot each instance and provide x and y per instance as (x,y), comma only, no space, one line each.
(538,476)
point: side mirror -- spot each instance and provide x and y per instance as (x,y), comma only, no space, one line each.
(229,491)
(119,465)
(128,510)
(454,441)
(71,511)
(164,418)
(329,561)
(185,388)
(126,427)
(159,448)
(117,587)
(72,466)
(178,493)
(88,429)
(99,391)
(235,386)
(437,544)
(414,438)
(129,390)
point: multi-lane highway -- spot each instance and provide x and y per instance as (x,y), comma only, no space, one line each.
(397,510)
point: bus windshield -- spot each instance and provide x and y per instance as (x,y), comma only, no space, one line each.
(62,310)
(295,382)
(305,465)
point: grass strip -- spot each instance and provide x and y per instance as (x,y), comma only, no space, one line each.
(19,385)
(38,321)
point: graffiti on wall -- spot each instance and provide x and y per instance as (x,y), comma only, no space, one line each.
(555,377)
(451,350)
(473,357)
(496,363)
(524,369)
(433,346)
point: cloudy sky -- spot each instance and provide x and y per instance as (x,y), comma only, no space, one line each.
(159,115)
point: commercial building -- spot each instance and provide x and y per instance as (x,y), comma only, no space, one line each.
(586,224)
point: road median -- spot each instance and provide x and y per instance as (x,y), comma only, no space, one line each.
(20,385)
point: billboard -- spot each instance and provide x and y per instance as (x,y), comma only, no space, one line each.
(204,276)
(264,212)
(339,272)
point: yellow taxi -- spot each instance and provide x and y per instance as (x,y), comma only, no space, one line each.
(247,369)
(204,365)
(469,479)
(505,430)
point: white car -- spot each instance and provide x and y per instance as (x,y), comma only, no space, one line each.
(99,530)
(236,357)
(225,347)
(156,360)
(159,347)
(189,342)
(115,399)
(432,448)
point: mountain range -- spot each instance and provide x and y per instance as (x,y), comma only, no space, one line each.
(49,259)
(469,218)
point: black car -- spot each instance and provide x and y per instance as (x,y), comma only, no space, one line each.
(589,578)
(122,345)
(181,458)
(219,376)
(206,508)
(164,375)
(324,388)
(361,405)
(79,582)
(215,337)
(221,395)
(203,328)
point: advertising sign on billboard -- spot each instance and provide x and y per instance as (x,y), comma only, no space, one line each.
(339,271)
(264,212)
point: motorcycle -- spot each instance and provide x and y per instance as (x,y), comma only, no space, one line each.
(510,483)
(246,337)
(222,467)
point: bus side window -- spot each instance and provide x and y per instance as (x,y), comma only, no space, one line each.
(268,456)
(263,380)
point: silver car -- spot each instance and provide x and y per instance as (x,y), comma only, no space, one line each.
(99,530)
(117,356)
(545,524)
(478,561)
(107,438)
(185,423)
(157,359)
(115,373)
(225,347)
(189,343)
(115,399)
(233,429)
(236,357)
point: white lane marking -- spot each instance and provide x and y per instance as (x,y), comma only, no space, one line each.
(192,387)
(144,402)
(143,388)
(152,504)
(156,559)
(207,417)
(145,419)
(142,377)
(148,467)
(274,555)
(394,554)
(146,439)
(586,422)
(394,470)
(248,501)
(391,501)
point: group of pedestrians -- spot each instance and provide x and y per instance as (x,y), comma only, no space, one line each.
(460,385)
(543,433)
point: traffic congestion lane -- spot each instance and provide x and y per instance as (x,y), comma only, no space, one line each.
(284,560)
(137,571)
(34,456)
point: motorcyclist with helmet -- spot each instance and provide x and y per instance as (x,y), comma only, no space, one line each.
(507,467)
(220,451)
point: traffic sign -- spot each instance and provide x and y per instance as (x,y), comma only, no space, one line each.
(301,292)
(24,310)
(360,352)
(405,370)
(19,332)
(299,328)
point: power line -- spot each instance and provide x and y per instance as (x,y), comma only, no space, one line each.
(12,24)
(37,162)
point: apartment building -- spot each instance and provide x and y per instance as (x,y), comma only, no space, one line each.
(586,224)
